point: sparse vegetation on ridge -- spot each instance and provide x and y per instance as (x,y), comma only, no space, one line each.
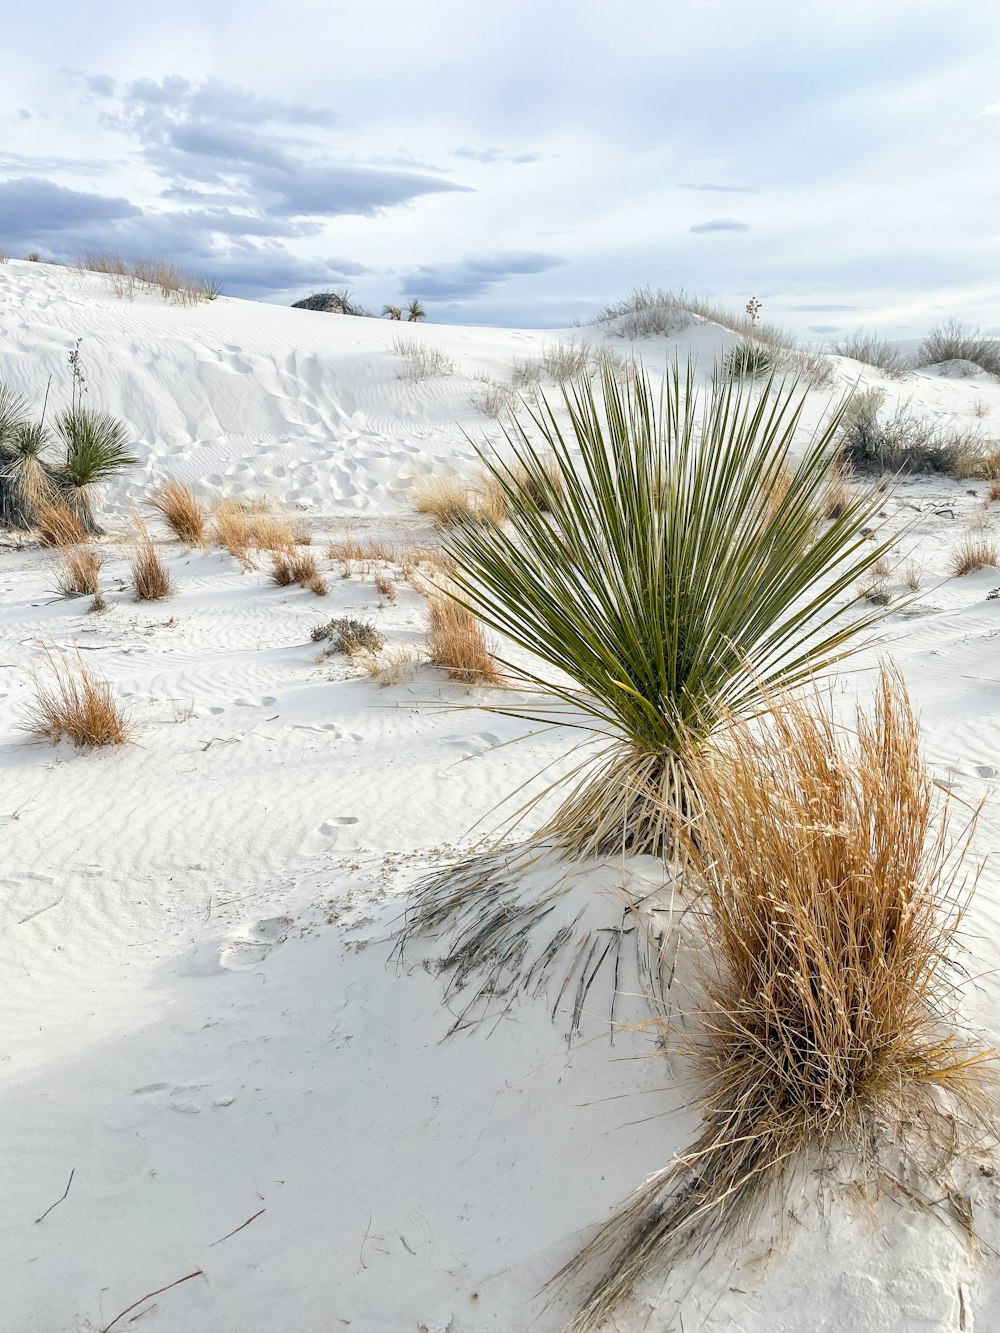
(954,341)
(874,351)
(127,278)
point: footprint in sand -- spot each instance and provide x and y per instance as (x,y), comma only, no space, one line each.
(986,770)
(253,945)
(330,826)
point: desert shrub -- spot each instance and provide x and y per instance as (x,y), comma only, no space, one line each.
(564,361)
(981,407)
(422,361)
(385,587)
(954,341)
(646,313)
(825,1032)
(749,360)
(346,635)
(3,255)
(184,516)
(80,573)
(838,488)
(458,643)
(125,277)
(972,554)
(334,303)
(79,706)
(446,499)
(58,527)
(904,442)
(33,257)
(875,351)
(490,397)
(148,577)
(525,374)
(995,488)
(535,486)
(288,567)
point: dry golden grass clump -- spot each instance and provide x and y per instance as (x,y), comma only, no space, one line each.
(458,642)
(184,516)
(824,1028)
(447,500)
(298,567)
(536,483)
(80,573)
(147,574)
(974,553)
(385,587)
(838,489)
(241,526)
(77,706)
(57,526)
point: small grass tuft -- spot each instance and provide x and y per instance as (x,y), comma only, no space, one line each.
(149,579)
(972,554)
(301,567)
(57,526)
(80,573)
(78,706)
(184,516)
(458,642)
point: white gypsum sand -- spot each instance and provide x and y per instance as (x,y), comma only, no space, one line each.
(202,1032)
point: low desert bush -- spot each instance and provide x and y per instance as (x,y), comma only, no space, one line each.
(457,642)
(904,442)
(184,516)
(565,361)
(346,635)
(646,313)
(525,375)
(875,351)
(825,1032)
(301,567)
(148,576)
(422,361)
(490,397)
(972,554)
(385,587)
(536,486)
(80,573)
(58,527)
(446,499)
(981,407)
(78,706)
(954,341)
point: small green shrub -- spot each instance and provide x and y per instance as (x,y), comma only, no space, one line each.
(749,360)
(346,635)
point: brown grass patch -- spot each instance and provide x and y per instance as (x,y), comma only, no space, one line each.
(80,573)
(458,642)
(241,526)
(446,500)
(298,567)
(180,510)
(838,489)
(78,706)
(58,527)
(147,574)
(974,553)
(825,1030)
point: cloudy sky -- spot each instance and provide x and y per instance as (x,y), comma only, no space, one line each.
(525,162)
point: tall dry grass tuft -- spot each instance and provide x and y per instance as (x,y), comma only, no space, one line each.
(825,1025)
(80,573)
(445,499)
(56,526)
(77,706)
(972,554)
(184,516)
(147,574)
(458,642)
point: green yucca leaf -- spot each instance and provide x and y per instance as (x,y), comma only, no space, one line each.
(666,583)
(13,417)
(96,446)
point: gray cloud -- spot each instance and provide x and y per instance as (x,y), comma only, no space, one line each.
(718,224)
(40,208)
(473,276)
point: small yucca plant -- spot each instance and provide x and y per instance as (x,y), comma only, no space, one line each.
(750,360)
(96,451)
(824,1027)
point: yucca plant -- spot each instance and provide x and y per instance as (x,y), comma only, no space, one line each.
(660,588)
(750,360)
(96,449)
(415,311)
(25,482)
(823,1030)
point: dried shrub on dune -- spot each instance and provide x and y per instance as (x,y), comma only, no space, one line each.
(824,1031)
(148,575)
(447,500)
(241,526)
(180,510)
(458,643)
(298,567)
(58,527)
(972,554)
(77,706)
(80,573)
